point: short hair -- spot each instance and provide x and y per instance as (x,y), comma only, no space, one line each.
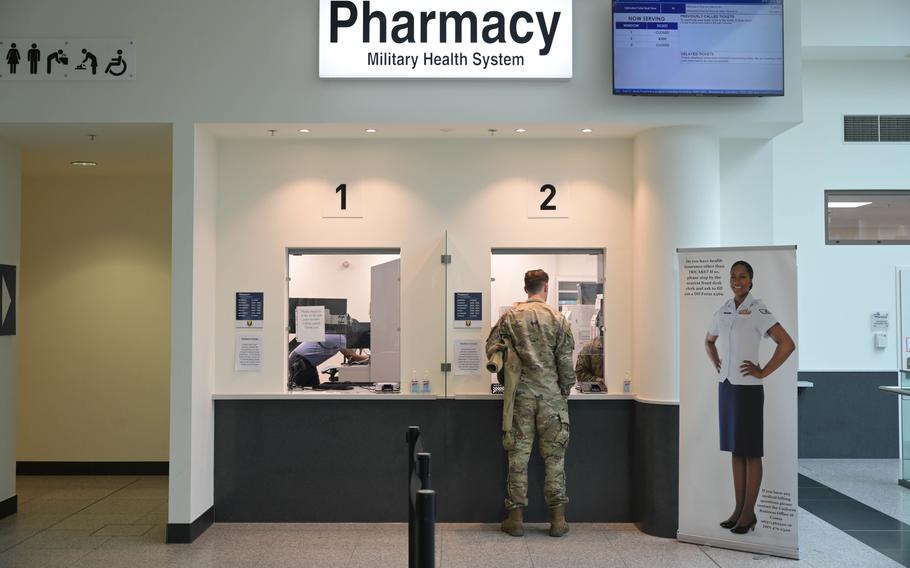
(748,268)
(535,280)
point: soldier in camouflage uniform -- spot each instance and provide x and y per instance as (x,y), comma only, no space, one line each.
(542,340)
(589,368)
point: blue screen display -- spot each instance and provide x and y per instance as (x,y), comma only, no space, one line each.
(698,47)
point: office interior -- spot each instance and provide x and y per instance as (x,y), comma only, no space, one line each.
(206,187)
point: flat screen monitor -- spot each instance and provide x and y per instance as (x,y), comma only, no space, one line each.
(698,47)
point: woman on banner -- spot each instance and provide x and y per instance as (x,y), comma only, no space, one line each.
(736,332)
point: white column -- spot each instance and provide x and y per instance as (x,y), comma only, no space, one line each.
(191,482)
(10,219)
(677,205)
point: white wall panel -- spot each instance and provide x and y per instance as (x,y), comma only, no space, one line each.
(840,286)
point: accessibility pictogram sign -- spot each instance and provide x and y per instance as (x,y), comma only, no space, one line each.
(67,59)
(7,299)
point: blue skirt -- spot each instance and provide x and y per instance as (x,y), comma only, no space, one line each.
(741,413)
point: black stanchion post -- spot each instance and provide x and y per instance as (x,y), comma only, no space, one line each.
(426,520)
(413,436)
(423,469)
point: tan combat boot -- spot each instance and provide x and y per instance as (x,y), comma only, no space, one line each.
(558,524)
(513,524)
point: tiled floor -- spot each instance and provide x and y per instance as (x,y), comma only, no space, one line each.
(120,521)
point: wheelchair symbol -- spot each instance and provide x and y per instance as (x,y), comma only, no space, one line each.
(116,62)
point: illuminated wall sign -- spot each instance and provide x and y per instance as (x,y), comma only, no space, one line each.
(475,39)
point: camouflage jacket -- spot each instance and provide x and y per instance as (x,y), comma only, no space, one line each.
(542,340)
(590,364)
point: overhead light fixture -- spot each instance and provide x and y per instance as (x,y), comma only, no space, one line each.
(847,204)
(304,131)
(83,163)
(370,130)
(520,130)
(586,131)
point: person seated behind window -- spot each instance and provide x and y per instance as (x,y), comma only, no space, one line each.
(590,364)
(304,360)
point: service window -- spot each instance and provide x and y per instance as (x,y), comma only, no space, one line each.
(575,289)
(857,217)
(344,319)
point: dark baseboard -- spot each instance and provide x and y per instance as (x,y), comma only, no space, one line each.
(185,533)
(9,506)
(91,468)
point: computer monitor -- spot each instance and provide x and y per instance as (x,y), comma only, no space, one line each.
(358,335)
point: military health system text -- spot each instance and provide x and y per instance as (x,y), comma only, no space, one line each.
(405,27)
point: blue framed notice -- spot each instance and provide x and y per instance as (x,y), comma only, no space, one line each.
(468,309)
(248,309)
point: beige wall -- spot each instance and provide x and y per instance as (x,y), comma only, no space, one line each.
(424,197)
(94,319)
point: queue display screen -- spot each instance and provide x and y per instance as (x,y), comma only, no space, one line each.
(698,48)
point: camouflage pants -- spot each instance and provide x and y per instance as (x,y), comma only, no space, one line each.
(550,419)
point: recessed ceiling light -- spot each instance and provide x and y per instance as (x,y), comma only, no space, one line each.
(520,130)
(83,163)
(304,131)
(586,131)
(370,130)
(847,204)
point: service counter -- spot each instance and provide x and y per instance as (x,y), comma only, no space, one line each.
(342,457)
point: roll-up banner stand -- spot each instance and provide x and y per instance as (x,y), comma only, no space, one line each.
(737,400)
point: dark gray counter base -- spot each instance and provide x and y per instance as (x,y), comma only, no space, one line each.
(346,461)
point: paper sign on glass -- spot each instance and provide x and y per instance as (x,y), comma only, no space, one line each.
(468,357)
(248,353)
(310,323)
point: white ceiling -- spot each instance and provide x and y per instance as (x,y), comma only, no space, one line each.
(119,149)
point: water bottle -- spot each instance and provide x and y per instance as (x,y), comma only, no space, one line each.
(426,382)
(415,386)
(627,382)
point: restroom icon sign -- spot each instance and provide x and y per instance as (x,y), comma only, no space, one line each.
(7,299)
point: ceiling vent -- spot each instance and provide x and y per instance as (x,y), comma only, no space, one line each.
(876,128)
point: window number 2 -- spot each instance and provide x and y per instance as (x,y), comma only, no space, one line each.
(343,190)
(545,206)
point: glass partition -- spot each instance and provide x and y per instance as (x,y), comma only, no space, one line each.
(575,288)
(344,314)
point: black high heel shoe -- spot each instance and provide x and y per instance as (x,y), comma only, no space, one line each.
(743,529)
(728,524)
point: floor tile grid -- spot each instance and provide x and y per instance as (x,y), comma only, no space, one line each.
(883,533)
(51,545)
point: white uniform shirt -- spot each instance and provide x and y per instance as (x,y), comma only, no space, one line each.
(739,332)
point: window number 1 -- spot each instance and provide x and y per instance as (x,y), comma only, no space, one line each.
(343,190)
(545,206)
